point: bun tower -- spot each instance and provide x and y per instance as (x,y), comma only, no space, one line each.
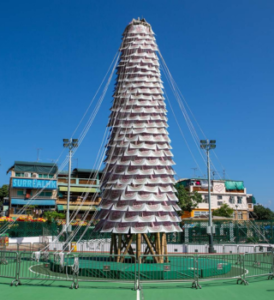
(138,196)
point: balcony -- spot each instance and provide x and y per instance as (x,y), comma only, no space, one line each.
(200,189)
(79,201)
(79,181)
(250,206)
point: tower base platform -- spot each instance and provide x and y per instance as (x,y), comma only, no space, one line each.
(175,268)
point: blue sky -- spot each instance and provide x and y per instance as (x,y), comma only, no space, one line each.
(54,54)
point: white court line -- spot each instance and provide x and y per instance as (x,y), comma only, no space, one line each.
(138,294)
(64,278)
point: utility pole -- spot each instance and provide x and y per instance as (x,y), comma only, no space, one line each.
(208,145)
(70,144)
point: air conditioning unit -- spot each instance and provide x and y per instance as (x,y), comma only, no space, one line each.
(35,175)
(27,174)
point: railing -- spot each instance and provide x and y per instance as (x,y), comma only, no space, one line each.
(193,232)
(80,181)
(94,267)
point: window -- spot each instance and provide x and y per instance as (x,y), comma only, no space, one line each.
(45,175)
(45,194)
(200,213)
(205,199)
(220,203)
(240,215)
(19,174)
(50,176)
(20,193)
(219,197)
(231,200)
(28,193)
(40,175)
(239,200)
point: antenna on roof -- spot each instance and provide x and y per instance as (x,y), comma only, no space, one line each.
(38,153)
(76,162)
(213,174)
(53,160)
(194,172)
(224,174)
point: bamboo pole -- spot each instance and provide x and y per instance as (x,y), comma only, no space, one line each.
(111,244)
(158,245)
(138,246)
(115,244)
(164,246)
(150,248)
(127,248)
(119,246)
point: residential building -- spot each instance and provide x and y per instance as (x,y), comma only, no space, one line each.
(32,183)
(82,181)
(231,192)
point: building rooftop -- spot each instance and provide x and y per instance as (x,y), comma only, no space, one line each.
(34,166)
(89,171)
(197,178)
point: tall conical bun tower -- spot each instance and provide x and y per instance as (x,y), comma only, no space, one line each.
(138,189)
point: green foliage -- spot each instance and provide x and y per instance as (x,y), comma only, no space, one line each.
(29,209)
(4,192)
(52,216)
(224,211)
(262,213)
(187,201)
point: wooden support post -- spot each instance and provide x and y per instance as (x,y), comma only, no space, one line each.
(119,246)
(111,244)
(127,248)
(164,247)
(138,246)
(159,248)
(115,245)
(150,248)
(166,250)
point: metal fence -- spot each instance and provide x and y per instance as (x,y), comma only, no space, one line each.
(94,267)
(194,232)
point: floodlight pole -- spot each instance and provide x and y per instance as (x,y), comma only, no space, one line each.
(68,196)
(210,234)
(69,143)
(208,145)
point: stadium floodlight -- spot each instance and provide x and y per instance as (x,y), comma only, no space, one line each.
(75,143)
(208,145)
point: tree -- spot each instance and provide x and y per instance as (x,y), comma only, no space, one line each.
(262,213)
(30,209)
(187,201)
(4,192)
(224,211)
(53,216)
